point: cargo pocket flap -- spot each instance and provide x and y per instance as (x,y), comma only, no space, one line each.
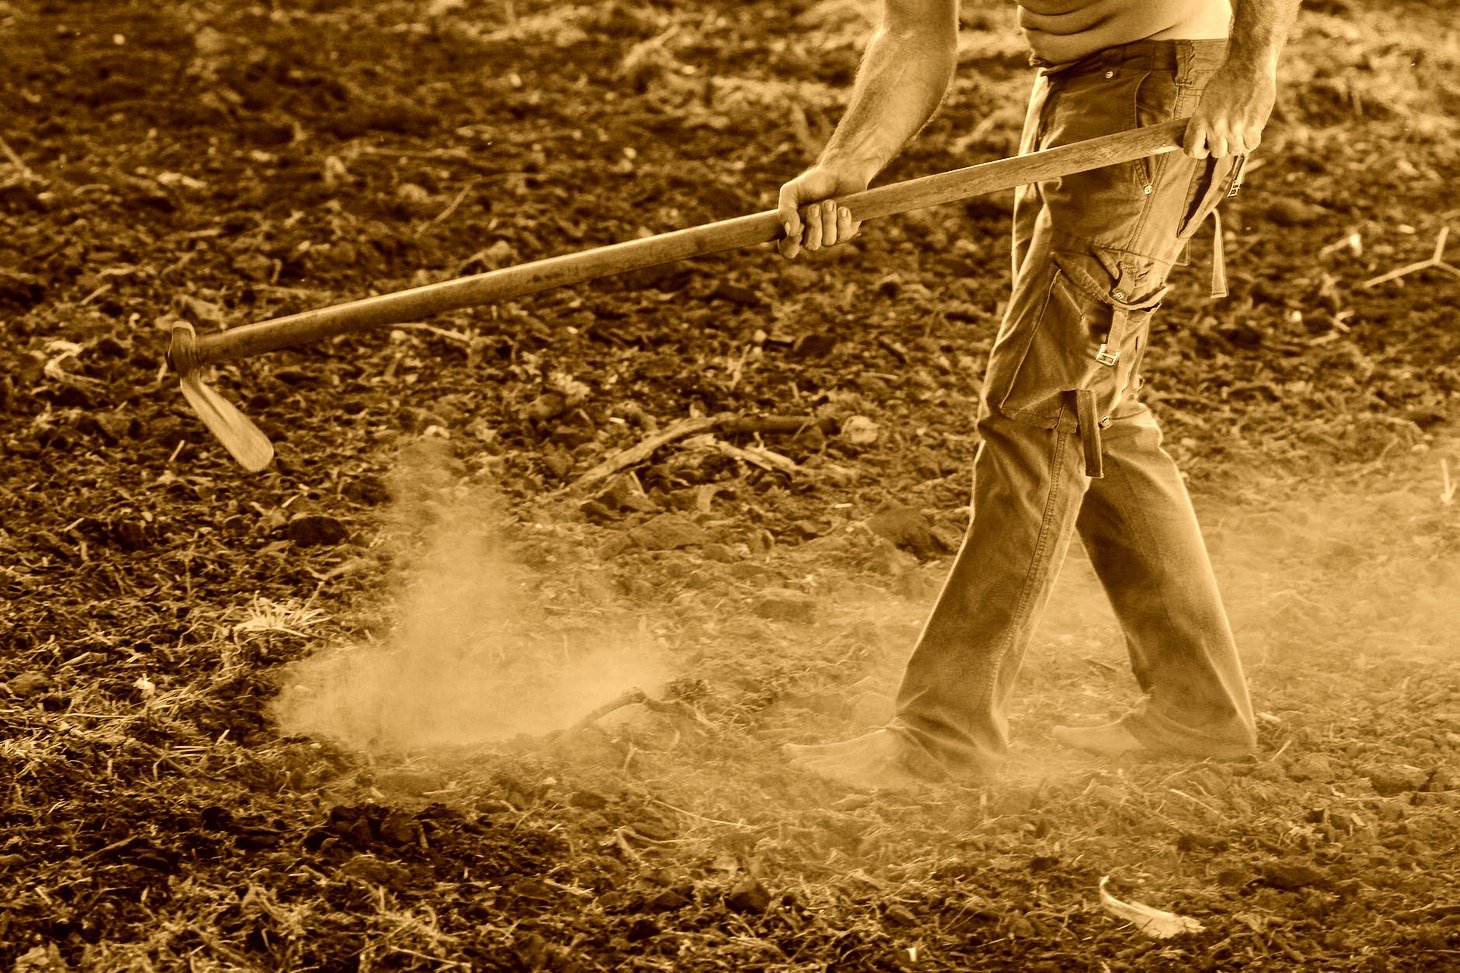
(1214,182)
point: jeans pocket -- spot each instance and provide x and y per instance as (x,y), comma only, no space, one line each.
(1114,323)
(1040,351)
(1061,336)
(1211,183)
(1101,102)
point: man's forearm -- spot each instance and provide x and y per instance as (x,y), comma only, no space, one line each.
(904,74)
(1259,30)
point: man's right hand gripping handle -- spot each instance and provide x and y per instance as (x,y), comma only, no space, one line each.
(810,214)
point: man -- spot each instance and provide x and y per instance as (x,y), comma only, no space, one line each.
(1066,446)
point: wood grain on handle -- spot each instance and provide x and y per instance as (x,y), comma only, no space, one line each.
(539,275)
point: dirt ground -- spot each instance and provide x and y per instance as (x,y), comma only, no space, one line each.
(345,714)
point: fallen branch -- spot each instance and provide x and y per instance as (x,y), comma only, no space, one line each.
(630,697)
(694,426)
(1435,262)
(641,451)
(757,456)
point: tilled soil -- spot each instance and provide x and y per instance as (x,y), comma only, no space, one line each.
(334,715)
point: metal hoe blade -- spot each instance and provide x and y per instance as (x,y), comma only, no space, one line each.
(244,441)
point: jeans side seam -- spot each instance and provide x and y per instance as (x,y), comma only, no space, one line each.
(1041,544)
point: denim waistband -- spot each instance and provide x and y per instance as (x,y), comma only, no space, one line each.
(1180,57)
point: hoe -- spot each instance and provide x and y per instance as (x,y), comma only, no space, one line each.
(189,352)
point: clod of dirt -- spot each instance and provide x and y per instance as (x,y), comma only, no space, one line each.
(1393,781)
(1291,876)
(748,895)
(859,431)
(1287,211)
(27,684)
(905,527)
(316,530)
(735,294)
(373,871)
(1311,766)
(814,346)
(668,532)
(625,493)
(549,405)
(785,605)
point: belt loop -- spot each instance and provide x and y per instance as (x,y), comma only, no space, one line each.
(1219,258)
(1089,425)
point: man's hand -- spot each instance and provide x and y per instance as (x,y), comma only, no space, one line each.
(1232,112)
(810,214)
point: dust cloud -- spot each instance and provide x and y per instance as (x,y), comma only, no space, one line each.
(471,656)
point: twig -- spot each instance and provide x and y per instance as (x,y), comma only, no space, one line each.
(1198,803)
(629,697)
(638,453)
(456,336)
(626,698)
(701,817)
(1435,262)
(696,425)
(451,207)
(15,160)
(757,456)
(1447,493)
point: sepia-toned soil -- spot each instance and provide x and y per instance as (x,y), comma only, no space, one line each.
(351,713)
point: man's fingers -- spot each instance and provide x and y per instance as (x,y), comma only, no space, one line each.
(1194,142)
(829,236)
(846,227)
(1245,140)
(812,216)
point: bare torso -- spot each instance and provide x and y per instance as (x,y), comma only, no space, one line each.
(1060,31)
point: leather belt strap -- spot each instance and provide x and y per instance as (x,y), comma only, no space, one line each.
(1089,424)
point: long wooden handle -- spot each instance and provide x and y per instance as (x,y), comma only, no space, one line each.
(745,231)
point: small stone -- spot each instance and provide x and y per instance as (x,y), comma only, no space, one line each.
(668,532)
(748,895)
(814,346)
(1392,781)
(27,684)
(626,493)
(785,605)
(723,553)
(1288,211)
(549,405)
(905,527)
(669,900)
(860,431)
(587,800)
(736,294)
(1311,766)
(1292,875)
(316,530)
(899,915)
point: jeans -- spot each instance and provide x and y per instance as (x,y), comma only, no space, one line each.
(1067,447)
